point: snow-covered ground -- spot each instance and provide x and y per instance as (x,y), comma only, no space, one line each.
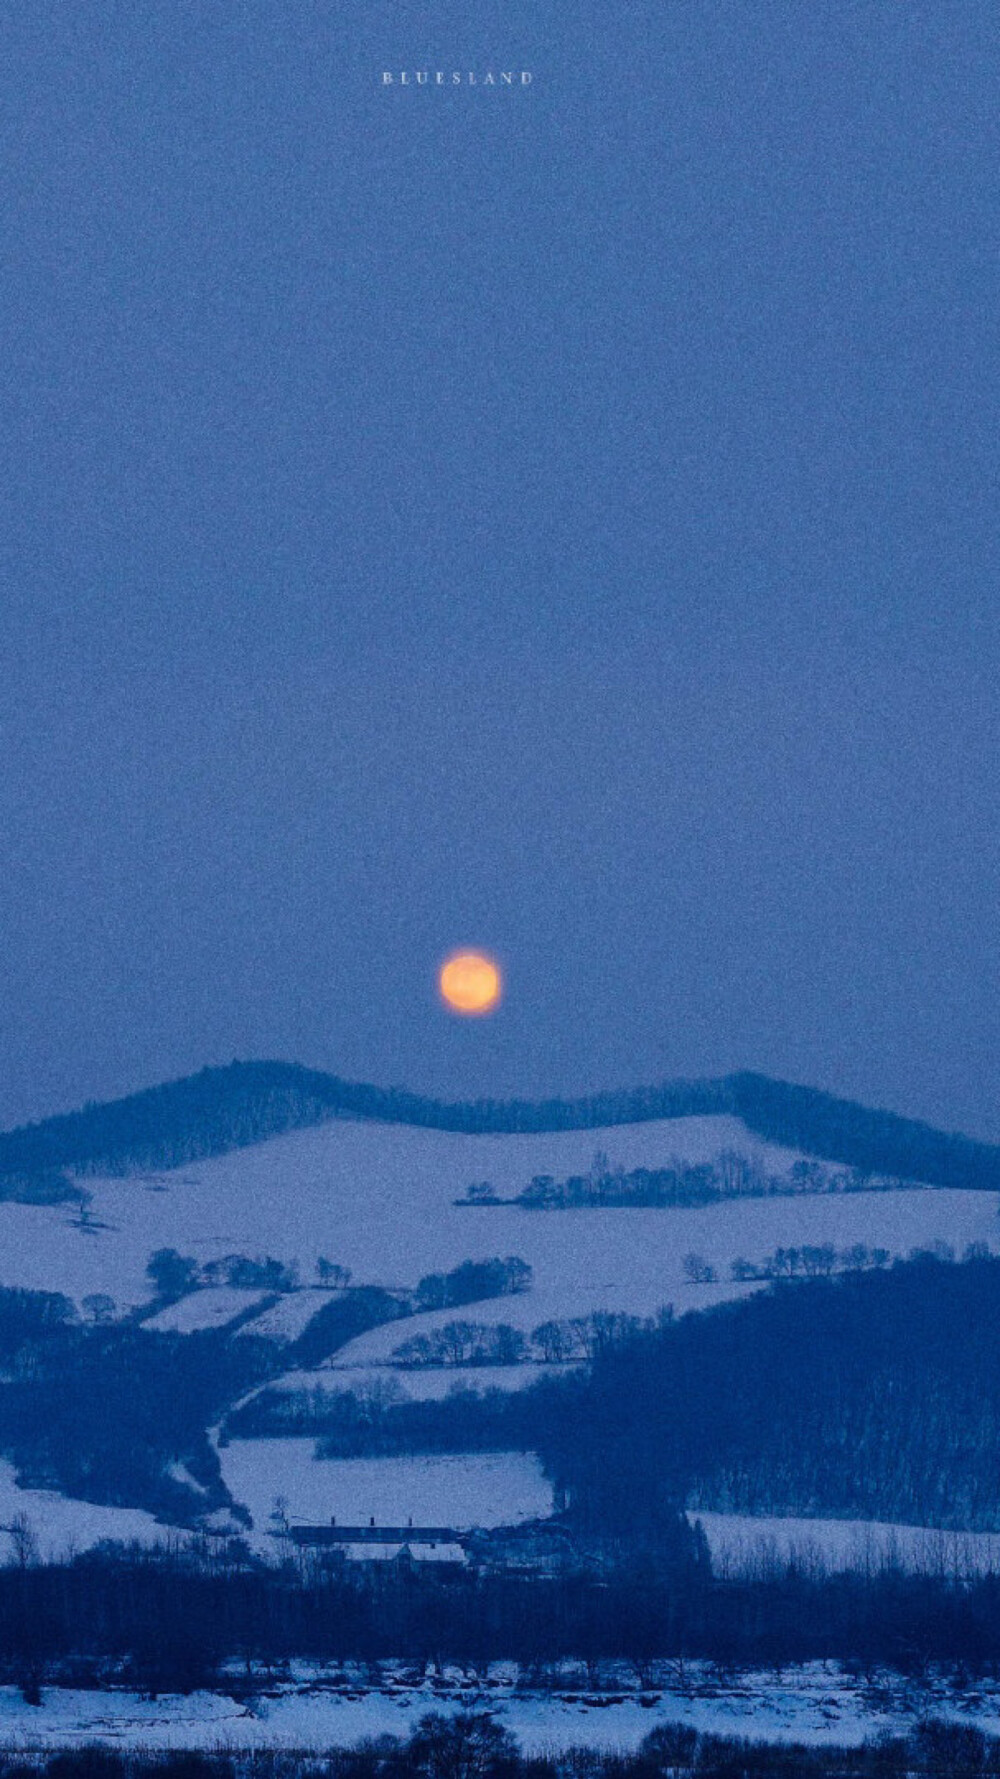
(212,1307)
(286,1319)
(463,1491)
(633,1260)
(477,1489)
(816,1704)
(379,1199)
(741,1544)
(60,1526)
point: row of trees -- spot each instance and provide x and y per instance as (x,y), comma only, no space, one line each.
(168,1624)
(729,1175)
(820,1261)
(812,1261)
(473,1281)
(817,1261)
(483,1343)
(475,1745)
(465,1344)
(173,1275)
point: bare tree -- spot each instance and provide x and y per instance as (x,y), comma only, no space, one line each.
(554,1341)
(697,1270)
(23,1541)
(331,1275)
(457,1340)
(100,1307)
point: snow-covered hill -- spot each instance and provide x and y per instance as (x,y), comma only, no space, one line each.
(379,1198)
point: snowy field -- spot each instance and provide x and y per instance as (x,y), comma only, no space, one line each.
(478,1489)
(60,1526)
(213,1307)
(632,1260)
(290,1316)
(817,1704)
(484,1490)
(741,1544)
(378,1198)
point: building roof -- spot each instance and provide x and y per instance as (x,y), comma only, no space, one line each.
(388,1553)
(337,1535)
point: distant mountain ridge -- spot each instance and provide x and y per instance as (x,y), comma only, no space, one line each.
(243,1103)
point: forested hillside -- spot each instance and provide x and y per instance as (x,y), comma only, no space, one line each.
(230,1108)
(871,1396)
(874,1396)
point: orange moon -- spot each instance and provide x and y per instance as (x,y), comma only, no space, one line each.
(469,982)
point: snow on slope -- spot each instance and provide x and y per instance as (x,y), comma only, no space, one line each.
(286,1319)
(634,1260)
(210,1308)
(379,1199)
(475,1489)
(559,1299)
(61,1526)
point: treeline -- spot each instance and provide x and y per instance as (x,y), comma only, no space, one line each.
(474,1281)
(557,1342)
(468,1345)
(169,1624)
(377,1422)
(173,1275)
(362,1422)
(474,1745)
(811,1261)
(228,1108)
(860,1137)
(110,1412)
(678,1184)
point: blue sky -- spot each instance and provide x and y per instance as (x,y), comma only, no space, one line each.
(560,519)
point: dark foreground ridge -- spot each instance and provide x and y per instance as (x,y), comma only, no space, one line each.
(228,1108)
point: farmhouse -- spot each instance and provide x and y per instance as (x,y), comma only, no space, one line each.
(373,1544)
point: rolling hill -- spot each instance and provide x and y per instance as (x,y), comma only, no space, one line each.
(221,1109)
(317,1223)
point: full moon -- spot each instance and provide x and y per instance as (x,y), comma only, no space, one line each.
(470,982)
